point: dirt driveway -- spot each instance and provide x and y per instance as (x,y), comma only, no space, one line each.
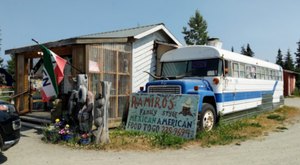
(276,148)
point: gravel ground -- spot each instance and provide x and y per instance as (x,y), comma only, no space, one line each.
(276,148)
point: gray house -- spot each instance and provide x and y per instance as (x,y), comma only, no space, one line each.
(120,57)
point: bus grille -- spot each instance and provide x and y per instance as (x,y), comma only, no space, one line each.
(170,89)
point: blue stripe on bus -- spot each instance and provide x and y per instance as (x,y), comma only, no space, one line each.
(226,97)
(237,96)
(274,87)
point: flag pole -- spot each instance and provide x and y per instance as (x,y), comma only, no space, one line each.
(66,60)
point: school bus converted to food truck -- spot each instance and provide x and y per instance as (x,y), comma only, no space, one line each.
(226,82)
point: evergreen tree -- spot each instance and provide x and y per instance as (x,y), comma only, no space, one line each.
(297,62)
(0,40)
(279,58)
(1,59)
(288,62)
(1,62)
(249,51)
(243,50)
(297,65)
(197,33)
(232,49)
(11,66)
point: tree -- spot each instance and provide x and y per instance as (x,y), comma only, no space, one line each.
(248,51)
(232,49)
(279,58)
(297,62)
(288,62)
(0,40)
(1,62)
(297,65)
(243,50)
(197,33)
(1,59)
(11,66)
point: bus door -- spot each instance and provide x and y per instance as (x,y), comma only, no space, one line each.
(228,88)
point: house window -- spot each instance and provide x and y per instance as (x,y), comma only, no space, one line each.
(111,62)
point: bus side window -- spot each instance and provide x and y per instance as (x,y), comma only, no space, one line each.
(227,69)
(258,68)
(235,70)
(253,72)
(248,71)
(242,70)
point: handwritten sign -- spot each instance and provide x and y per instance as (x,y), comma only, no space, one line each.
(173,114)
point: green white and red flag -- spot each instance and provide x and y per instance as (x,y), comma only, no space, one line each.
(53,73)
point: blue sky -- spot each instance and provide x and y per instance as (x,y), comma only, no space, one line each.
(266,25)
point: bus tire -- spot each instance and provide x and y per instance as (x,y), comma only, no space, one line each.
(207,118)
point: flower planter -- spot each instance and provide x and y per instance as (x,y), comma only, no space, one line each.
(85,141)
(52,136)
(66,137)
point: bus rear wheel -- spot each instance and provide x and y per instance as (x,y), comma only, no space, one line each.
(207,118)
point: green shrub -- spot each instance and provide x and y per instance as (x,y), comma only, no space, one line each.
(276,117)
(167,140)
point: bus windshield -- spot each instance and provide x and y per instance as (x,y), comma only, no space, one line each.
(193,68)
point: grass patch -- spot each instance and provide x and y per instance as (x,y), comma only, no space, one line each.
(276,117)
(281,128)
(229,133)
(232,133)
(166,140)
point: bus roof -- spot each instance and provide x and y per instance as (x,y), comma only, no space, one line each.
(208,52)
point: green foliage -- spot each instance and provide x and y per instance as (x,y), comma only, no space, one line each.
(167,140)
(247,51)
(276,117)
(197,33)
(223,134)
(281,128)
(288,62)
(297,62)
(296,92)
(279,58)
(50,135)
(11,66)
(232,49)
(161,140)
(122,132)
(1,62)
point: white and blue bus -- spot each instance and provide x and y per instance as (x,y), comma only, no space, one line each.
(226,82)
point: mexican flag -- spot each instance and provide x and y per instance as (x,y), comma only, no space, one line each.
(53,73)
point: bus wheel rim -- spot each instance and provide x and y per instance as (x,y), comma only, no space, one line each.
(208,121)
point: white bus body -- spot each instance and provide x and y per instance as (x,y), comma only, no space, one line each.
(237,82)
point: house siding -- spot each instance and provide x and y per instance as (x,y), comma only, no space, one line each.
(144,59)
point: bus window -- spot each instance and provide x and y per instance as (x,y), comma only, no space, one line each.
(248,71)
(258,72)
(280,75)
(253,72)
(276,75)
(235,70)
(227,68)
(242,70)
(262,72)
(267,71)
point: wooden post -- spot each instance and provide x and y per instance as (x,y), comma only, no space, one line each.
(101,114)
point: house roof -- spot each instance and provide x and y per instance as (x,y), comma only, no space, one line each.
(123,35)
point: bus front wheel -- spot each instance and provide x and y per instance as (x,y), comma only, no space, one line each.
(207,118)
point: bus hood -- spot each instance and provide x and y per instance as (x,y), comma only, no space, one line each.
(182,86)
